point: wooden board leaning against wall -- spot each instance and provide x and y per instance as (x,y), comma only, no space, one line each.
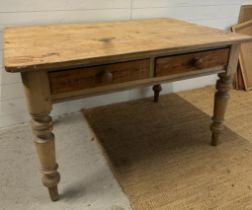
(245,54)
(242,78)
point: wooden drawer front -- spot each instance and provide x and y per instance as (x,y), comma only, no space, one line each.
(191,62)
(95,76)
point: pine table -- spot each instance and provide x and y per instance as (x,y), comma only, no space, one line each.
(68,61)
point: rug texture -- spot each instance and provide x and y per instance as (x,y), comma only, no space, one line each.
(161,156)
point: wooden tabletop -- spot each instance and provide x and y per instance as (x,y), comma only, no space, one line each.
(41,47)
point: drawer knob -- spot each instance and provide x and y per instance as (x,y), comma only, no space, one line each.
(198,62)
(106,76)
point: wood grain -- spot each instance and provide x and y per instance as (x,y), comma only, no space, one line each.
(70,61)
(39,104)
(245,13)
(245,53)
(61,46)
(132,84)
(191,62)
(91,77)
(223,86)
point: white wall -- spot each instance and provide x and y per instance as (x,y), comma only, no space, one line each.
(215,13)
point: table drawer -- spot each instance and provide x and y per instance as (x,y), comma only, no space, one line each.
(177,64)
(95,76)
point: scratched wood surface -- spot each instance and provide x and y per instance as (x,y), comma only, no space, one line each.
(44,47)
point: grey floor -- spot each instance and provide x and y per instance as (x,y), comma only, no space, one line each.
(86,180)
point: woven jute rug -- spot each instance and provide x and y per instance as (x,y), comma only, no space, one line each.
(161,156)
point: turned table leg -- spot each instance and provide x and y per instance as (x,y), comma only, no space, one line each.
(39,104)
(44,141)
(157,89)
(223,86)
